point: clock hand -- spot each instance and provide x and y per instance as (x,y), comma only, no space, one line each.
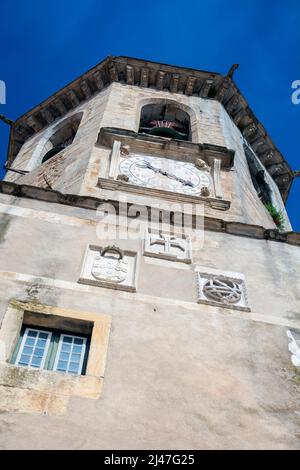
(148,165)
(181,180)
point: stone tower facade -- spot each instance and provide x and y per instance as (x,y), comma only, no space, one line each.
(148,297)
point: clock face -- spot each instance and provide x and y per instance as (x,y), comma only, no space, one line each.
(164,173)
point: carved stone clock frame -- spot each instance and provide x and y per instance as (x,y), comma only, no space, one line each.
(125,143)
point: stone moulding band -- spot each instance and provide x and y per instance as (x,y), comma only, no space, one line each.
(119,185)
(177,149)
(46,282)
(93,203)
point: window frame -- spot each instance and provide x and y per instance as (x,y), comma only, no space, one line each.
(50,358)
(82,354)
(21,345)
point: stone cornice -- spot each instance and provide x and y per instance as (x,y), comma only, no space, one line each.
(156,145)
(158,76)
(93,203)
(118,185)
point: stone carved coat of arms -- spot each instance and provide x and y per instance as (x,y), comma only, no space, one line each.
(110,265)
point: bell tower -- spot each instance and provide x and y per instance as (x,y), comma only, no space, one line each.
(149,271)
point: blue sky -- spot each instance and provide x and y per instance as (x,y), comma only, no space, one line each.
(46,44)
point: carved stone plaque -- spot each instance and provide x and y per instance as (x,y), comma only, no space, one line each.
(221,288)
(109,267)
(166,246)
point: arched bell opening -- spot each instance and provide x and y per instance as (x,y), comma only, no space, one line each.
(165,120)
(62,137)
(258,177)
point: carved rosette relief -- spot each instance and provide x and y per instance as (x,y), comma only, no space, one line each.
(202,165)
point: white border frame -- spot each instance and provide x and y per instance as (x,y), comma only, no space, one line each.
(21,347)
(63,335)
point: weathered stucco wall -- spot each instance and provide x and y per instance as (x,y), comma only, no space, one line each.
(178,374)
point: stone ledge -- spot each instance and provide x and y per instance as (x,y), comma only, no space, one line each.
(32,390)
(145,299)
(26,390)
(87,202)
(119,185)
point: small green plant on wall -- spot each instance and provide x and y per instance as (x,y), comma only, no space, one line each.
(276,215)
